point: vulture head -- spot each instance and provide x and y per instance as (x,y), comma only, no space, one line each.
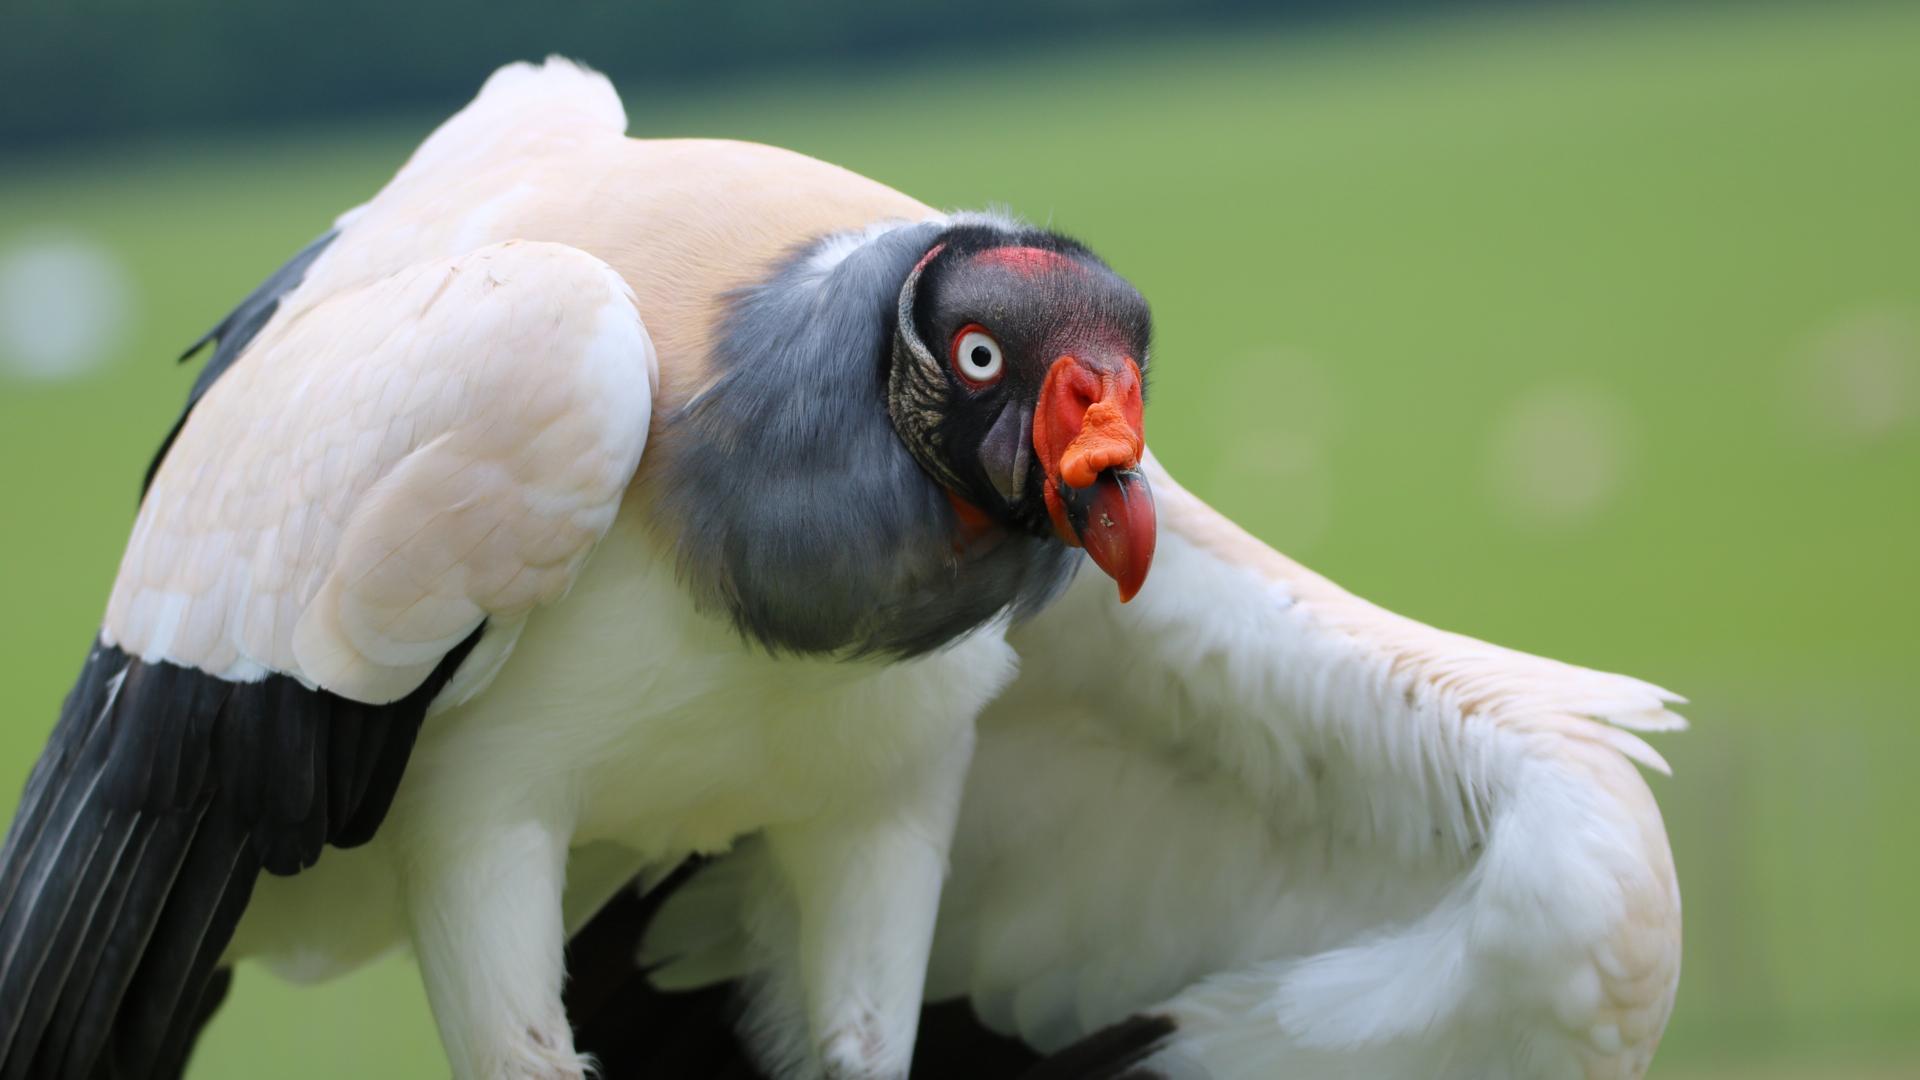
(1016,381)
(909,430)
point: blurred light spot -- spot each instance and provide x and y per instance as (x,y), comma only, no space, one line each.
(65,304)
(1559,455)
(1277,424)
(1859,379)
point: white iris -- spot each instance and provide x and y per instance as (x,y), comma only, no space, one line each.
(979,357)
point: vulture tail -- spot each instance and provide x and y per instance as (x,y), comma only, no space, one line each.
(162,794)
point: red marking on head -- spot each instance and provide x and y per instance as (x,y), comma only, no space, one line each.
(1026,261)
(974,531)
(973,520)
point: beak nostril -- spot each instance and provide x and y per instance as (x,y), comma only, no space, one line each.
(1087,422)
(1106,441)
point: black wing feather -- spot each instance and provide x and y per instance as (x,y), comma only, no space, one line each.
(633,1030)
(1115,1052)
(162,795)
(636,1032)
(64,1028)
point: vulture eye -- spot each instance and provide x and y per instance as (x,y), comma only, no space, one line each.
(976,356)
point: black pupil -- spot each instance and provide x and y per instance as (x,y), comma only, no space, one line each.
(981,356)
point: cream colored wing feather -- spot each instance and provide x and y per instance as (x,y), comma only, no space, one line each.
(386,467)
(541,154)
(1328,841)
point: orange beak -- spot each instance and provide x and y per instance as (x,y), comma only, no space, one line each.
(1087,431)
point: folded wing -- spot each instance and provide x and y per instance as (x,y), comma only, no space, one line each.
(1319,838)
(387,469)
(351,523)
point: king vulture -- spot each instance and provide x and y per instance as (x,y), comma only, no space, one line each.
(577,505)
(1246,825)
(1292,836)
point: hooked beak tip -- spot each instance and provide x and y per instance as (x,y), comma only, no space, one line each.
(1113,519)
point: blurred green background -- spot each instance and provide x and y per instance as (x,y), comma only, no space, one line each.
(1593,331)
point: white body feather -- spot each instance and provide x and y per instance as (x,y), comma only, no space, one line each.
(643,740)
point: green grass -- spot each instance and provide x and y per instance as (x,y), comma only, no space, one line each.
(1363,246)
